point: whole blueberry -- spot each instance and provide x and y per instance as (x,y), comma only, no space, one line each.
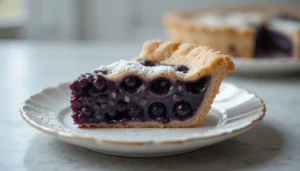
(92,92)
(111,113)
(134,110)
(102,98)
(97,107)
(183,109)
(157,109)
(160,86)
(98,116)
(132,83)
(100,83)
(121,106)
(147,62)
(75,101)
(86,111)
(86,100)
(181,68)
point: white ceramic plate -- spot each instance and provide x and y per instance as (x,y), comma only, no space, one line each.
(266,65)
(234,111)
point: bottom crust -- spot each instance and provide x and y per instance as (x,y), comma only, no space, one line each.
(217,76)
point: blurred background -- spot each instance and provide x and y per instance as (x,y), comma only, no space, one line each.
(95,20)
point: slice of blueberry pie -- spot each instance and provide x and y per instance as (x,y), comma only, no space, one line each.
(252,31)
(169,85)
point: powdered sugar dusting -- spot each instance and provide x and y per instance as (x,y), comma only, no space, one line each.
(121,68)
(233,19)
(284,25)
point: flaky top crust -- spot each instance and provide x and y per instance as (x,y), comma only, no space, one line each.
(199,59)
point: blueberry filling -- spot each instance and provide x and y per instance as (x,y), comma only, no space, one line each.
(270,41)
(197,87)
(182,68)
(160,86)
(132,83)
(86,111)
(275,41)
(96,99)
(121,106)
(147,62)
(99,83)
(134,110)
(182,109)
(157,110)
(288,17)
(111,113)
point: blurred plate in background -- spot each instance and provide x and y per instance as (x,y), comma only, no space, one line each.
(269,65)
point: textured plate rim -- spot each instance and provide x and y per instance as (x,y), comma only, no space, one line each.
(59,133)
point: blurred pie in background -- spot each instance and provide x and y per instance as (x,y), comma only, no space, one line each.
(245,32)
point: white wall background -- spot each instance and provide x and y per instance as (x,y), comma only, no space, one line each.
(109,19)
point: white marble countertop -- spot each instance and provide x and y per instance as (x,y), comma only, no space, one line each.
(274,144)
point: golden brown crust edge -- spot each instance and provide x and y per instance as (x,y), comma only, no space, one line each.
(210,62)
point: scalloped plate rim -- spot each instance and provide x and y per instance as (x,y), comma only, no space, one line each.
(59,133)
